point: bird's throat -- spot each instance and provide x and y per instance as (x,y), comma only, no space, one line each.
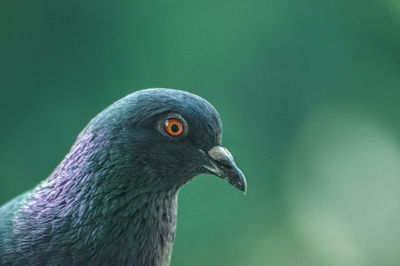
(144,232)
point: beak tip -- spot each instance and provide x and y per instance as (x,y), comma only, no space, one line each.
(241,185)
(244,190)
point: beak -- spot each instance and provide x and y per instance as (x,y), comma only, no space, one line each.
(221,164)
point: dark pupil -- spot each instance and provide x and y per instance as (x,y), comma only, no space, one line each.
(174,128)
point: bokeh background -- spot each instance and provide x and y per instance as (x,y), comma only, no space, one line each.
(308,92)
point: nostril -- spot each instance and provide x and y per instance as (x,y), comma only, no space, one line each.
(222,156)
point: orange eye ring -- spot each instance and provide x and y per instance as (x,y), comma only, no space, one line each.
(173,127)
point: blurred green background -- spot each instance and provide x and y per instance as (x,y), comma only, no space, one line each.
(308,92)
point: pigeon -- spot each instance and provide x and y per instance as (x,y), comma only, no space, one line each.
(113,198)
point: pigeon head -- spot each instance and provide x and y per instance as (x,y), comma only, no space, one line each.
(113,199)
(171,135)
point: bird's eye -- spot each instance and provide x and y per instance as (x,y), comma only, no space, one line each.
(173,127)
